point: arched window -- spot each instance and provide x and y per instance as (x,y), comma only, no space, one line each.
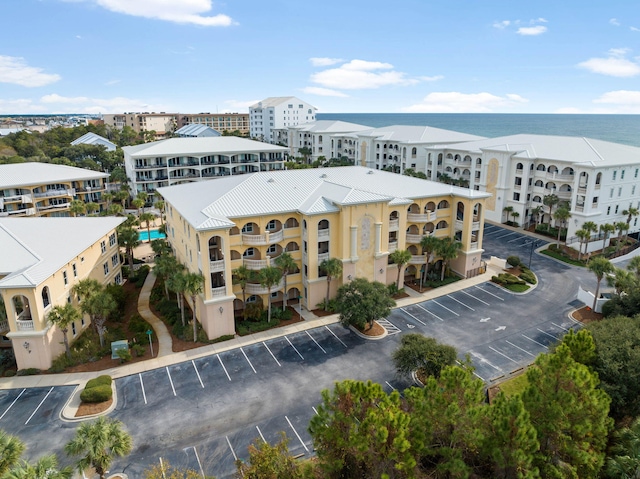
(443,205)
(414,152)
(519,166)
(541,168)
(598,178)
(442,225)
(46,299)
(478,161)
(539,183)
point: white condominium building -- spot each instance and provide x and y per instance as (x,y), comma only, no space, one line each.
(598,179)
(277,113)
(182,160)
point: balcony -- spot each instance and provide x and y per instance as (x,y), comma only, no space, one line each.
(418,217)
(324,235)
(394,225)
(219,291)
(255,288)
(255,264)
(393,245)
(473,245)
(24,324)
(582,190)
(150,167)
(25,212)
(51,207)
(322,257)
(18,199)
(563,195)
(417,259)
(414,238)
(579,208)
(58,192)
(216,266)
(262,239)
(559,177)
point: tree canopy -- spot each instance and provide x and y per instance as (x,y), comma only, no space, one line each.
(361,302)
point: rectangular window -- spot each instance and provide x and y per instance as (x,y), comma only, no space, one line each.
(112,239)
(118,279)
(103,246)
(106,268)
(516,197)
(73,329)
(615,173)
(617,206)
(619,191)
(635,175)
(75,270)
(64,278)
(608,210)
(595,200)
(114,260)
(622,175)
(633,190)
(611,193)
(69,299)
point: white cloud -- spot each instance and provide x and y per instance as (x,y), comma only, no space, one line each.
(532,31)
(614,22)
(502,24)
(15,70)
(361,74)
(456,102)
(540,20)
(81,104)
(614,65)
(112,82)
(324,61)
(315,90)
(433,78)
(19,106)
(621,97)
(177,11)
(237,105)
(634,29)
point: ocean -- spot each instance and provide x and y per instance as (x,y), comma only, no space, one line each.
(623,129)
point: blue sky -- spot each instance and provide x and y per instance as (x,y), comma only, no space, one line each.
(446,56)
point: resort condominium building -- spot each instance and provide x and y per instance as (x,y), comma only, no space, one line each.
(355,214)
(218,121)
(597,179)
(45,189)
(164,124)
(183,160)
(276,113)
(42,259)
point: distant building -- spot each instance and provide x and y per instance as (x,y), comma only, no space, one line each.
(275,113)
(93,139)
(164,124)
(196,130)
(45,189)
(42,259)
(9,131)
(328,138)
(218,121)
(182,160)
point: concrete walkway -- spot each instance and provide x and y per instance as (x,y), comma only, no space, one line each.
(162,333)
(310,321)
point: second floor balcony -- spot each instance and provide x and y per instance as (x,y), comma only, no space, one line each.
(24,324)
(262,239)
(417,259)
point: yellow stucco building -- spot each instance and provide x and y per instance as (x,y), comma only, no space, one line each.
(42,259)
(355,214)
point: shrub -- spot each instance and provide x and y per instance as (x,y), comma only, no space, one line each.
(96,394)
(505,279)
(528,276)
(140,276)
(220,339)
(104,380)
(254,311)
(514,261)
(279,314)
(120,297)
(138,325)
(28,372)
(138,350)
(124,355)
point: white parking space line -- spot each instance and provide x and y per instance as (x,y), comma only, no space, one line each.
(314,340)
(432,314)
(197,373)
(274,358)
(261,436)
(523,350)
(334,335)
(519,238)
(297,435)
(294,348)
(477,299)
(36,410)
(502,354)
(548,334)
(477,375)
(483,360)
(14,401)
(556,325)
(144,394)
(524,244)
(171,381)
(411,315)
(458,301)
(245,356)
(443,306)
(315,410)
(199,463)
(235,458)
(225,369)
(484,290)
(505,235)
(533,340)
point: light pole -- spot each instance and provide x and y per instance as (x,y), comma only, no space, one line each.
(149,332)
(534,244)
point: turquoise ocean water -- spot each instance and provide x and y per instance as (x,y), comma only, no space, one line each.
(616,128)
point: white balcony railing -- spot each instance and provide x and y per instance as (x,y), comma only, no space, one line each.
(255,264)
(394,225)
(58,192)
(216,266)
(322,257)
(393,245)
(459,225)
(220,291)
(417,259)
(417,217)
(263,239)
(473,245)
(255,288)
(414,238)
(24,325)
(324,234)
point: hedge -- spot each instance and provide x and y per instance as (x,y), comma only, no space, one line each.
(96,394)
(104,380)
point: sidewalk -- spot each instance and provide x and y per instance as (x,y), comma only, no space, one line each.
(310,322)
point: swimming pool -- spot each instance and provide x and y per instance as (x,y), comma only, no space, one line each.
(155,234)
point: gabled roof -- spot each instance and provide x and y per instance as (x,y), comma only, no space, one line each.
(33,173)
(229,145)
(197,130)
(93,139)
(214,204)
(417,134)
(568,149)
(329,127)
(35,248)
(276,101)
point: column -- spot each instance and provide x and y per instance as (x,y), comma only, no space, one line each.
(378,239)
(354,243)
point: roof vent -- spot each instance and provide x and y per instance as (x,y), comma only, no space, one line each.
(270,180)
(323,175)
(370,172)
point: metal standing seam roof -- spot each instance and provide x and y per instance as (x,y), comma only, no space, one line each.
(208,204)
(34,173)
(211,145)
(329,127)
(196,129)
(35,248)
(567,149)
(94,139)
(277,100)
(418,134)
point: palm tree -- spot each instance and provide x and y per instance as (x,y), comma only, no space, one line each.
(332,268)
(45,468)
(121,196)
(622,280)
(138,203)
(63,316)
(287,265)
(550,201)
(621,226)
(600,266)
(606,229)
(92,208)
(515,216)
(269,277)
(400,257)
(508,210)
(147,218)
(591,227)
(583,236)
(535,212)
(142,195)
(115,210)
(77,207)
(448,250)
(243,275)
(108,198)
(630,212)
(624,460)
(160,204)
(11,448)
(561,216)
(99,306)
(193,284)
(99,442)
(429,246)
(634,265)
(165,266)
(128,239)
(176,283)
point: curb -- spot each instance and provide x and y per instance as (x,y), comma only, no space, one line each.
(371,338)
(69,410)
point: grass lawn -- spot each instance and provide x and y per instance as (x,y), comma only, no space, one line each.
(516,288)
(563,258)
(514,386)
